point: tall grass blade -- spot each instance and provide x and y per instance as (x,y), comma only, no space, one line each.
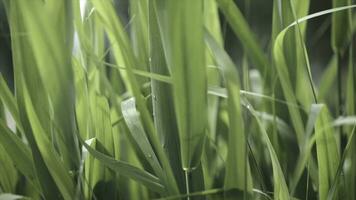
(182,26)
(237,173)
(327,153)
(162,100)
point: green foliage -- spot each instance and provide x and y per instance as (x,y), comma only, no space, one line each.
(144,101)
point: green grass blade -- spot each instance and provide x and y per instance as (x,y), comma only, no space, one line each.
(237,173)
(280,186)
(50,42)
(242,30)
(23,159)
(212,23)
(307,145)
(8,174)
(139,13)
(102,130)
(162,100)
(340,26)
(327,153)
(55,166)
(327,79)
(25,63)
(350,109)
(285,80)
(181,25)
(334,184)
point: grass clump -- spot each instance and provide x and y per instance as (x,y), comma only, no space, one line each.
(153,100)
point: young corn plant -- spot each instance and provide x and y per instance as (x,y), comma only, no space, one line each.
(143,99)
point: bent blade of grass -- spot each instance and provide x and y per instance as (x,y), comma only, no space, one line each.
(132,119)
(238,174)
(284,12)
(284,77)
(302,54)
(126,169)
(285,80)
(278,55)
